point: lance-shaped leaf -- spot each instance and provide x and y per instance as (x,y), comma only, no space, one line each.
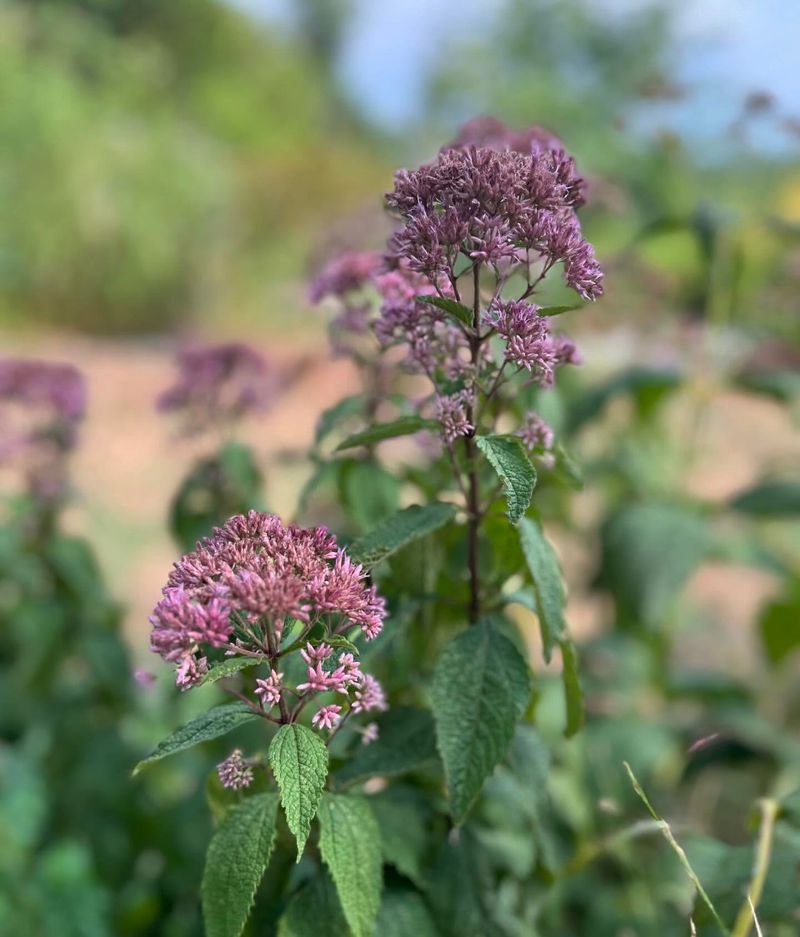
(480,689)
(399,530)
(507,456)
(229,667)
(299,760)
(216,722)
(237,858)
(773,498)
(548,588)
(458,311)
(573,694)
(350,844)
(403,426)
(556,310)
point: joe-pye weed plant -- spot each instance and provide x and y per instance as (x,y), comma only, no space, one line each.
(399,764)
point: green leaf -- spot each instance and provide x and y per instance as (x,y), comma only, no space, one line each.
(338,413)
(780,385)
(406,742)
(369,493)
(649,552)
(399,530)
(549,311)
(349,843)
(403,913)
(299,760)
(458,311)
(779,623)
(480,688)
(228,667)
(211,725)
(777,498)
(529,763)
(455,888)
(237,858)
(314,911)
(573,694)
(507,456)
(404,820)
(403,426)
(548,588)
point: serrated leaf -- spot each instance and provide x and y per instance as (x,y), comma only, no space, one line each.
(229,667)
(481,686)
(299,760)
(777,498)
(338,413)
(237,857)
(548,588)
(314,911)
(211,725)
(403,426)
(507,456)
(400,529)
(405,742)
(573,694)
(458,311)
(403,913)
(349,842)
(549,311)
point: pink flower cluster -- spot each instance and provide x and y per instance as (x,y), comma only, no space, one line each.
(217,384)
(529,341)
(41,405)
(238,589)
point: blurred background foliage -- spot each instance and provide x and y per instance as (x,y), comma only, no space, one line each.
(167,164)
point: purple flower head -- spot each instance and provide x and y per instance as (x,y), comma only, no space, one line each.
(451,412)
(238,590)
(218,384)
(234,773)
(327,717)
(41,405)
(269,690)
(348,273)
(369,696)
(491,133)
(494,206)
(536,434)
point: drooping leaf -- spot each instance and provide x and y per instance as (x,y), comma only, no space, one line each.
(349,842)
(229,667)
(402,426)
(399,530)
(314,911)
(480,689)
(237,857)
(403,913)
(458,311)
(211,725)
(299,760)
(507,456)
(405,742)
(573,694)
(548,587)
(649,552)
(338,413)
(777,498)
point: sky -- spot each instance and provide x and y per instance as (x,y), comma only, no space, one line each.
(727,48)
